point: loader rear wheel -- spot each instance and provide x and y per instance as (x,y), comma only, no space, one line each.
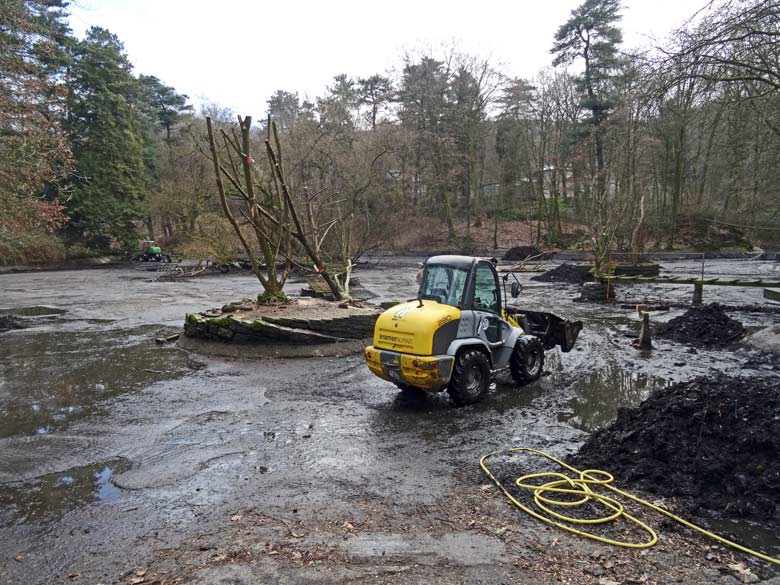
(527,361)
(470,377)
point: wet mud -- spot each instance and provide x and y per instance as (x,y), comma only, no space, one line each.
(186,468)
(51,379)
(49,496)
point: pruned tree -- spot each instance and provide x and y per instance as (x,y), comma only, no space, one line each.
(265,219)
(278,218)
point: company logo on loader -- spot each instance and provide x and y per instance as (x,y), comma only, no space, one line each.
(400,313)
(395,339)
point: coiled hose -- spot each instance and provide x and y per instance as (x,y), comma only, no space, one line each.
(580,485)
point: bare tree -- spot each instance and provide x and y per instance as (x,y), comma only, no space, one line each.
(271,233)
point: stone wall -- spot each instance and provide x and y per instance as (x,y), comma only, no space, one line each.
(280,330)
(358,326)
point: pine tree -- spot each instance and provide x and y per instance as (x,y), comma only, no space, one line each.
(164,104)
(590,34)
(107,124)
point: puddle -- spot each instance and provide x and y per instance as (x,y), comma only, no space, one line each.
(59,492)
(598,396)
(35,311)
(48,379)
(749,534)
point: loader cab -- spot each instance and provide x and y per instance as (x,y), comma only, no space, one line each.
(445,280)
(470,284)
(461,281)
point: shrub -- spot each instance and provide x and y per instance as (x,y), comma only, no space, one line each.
(33,248)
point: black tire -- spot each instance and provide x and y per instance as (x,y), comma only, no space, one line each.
(470,377)
(527,361)
(166,258)
(224,268)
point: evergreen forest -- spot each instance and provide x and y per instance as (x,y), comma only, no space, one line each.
(610,147)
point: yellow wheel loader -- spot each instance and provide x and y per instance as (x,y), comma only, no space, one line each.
(458,333)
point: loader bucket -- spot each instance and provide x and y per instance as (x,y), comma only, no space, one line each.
(551,329)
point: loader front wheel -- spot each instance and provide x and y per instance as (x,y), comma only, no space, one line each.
(527,361)
(470,377)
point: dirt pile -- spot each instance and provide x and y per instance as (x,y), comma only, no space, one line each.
(525,252)
(565,273)
(707,325)
(711,443)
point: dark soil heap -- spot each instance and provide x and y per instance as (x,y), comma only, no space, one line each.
(707,325)
(710,443)
(522,253)
(566,273)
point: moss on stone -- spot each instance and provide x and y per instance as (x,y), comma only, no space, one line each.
(256,325)
(272,298)
(193,318)
(228,321)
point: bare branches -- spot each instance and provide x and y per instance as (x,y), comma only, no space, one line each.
(226,208)
(274,158)
(733,42)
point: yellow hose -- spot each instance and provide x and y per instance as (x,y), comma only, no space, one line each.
(580,486)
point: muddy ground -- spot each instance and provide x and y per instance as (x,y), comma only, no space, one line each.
(123,461)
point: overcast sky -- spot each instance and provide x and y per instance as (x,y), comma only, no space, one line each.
(237,53)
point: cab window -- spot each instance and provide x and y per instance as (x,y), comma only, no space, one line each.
(486,290)
(443,284)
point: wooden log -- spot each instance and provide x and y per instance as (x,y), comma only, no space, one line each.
(698,293)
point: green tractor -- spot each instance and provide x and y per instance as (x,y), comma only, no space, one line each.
(461,331)
(151,253)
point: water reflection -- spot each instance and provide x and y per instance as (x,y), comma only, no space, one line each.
(598,396)
(48,379)
(750,534)
(56,493)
